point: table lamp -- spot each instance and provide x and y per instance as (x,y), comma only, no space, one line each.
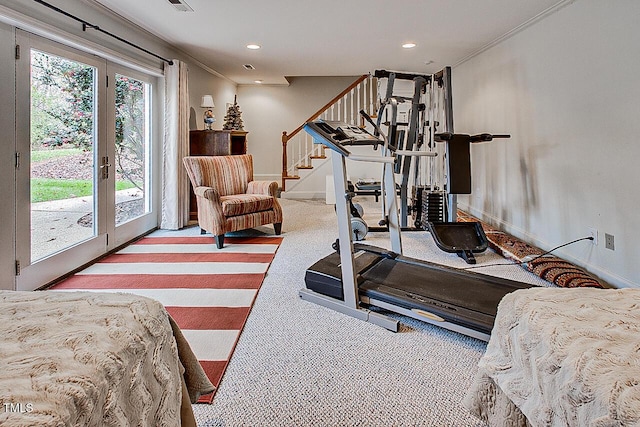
(209,117)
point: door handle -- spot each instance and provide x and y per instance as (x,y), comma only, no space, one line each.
(104,167)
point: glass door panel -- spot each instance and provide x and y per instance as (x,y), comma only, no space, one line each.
(62,145)
(132,136)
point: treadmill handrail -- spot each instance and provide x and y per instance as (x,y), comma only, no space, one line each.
(374,159)
(415,153)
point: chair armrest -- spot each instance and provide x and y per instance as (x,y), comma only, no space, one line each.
(207,193)
(268,188)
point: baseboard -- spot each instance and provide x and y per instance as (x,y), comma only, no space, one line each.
(608,276)
(300,195)
(267,177)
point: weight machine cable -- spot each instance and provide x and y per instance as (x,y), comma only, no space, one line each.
(532,259)
(86,25)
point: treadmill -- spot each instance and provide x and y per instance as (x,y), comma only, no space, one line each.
(357,278)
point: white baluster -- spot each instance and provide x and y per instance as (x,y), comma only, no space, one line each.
(358,108)
(371,108)
(299,161)
(290,157)
(344,109)
(291,148)
(344,115)
(315,149)
(351,117)
(294,156)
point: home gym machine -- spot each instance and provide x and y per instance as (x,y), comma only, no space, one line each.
(408,135)
(409,117)
(359,276)
(447,173)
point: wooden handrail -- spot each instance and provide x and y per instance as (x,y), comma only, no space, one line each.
(286,137)
(325,107)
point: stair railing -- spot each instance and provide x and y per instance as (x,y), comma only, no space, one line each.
(298,148)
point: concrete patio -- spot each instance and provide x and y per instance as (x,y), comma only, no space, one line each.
(56,225)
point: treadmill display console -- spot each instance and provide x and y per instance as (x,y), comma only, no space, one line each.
(336,135)
(353,133)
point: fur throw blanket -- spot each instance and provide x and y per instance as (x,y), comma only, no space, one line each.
(562,357)
(87,359)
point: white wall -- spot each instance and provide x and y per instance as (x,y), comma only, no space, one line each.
(269,110)
(201,82)
(566,88)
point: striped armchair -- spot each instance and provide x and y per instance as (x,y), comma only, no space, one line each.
(227,196)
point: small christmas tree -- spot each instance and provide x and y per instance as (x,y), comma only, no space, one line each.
(233,121)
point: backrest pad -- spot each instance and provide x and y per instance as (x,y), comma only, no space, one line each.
(227,174)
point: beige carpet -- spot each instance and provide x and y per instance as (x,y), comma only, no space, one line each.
(300,364)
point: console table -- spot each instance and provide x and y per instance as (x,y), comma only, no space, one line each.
(214,143)
(217,142)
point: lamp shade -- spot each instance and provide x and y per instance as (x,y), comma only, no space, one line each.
(207,102)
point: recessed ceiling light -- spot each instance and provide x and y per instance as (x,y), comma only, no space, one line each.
(257,81)
(409,45)
(253,46)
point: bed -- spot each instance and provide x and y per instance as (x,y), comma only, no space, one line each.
(94,359)
(561,357)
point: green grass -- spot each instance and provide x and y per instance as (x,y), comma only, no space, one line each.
(40,155)
(47,189)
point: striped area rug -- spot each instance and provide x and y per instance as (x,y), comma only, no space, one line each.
(208,292)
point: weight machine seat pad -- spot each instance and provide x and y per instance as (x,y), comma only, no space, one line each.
(458,236)
(473,291)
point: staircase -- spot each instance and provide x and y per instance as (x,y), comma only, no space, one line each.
(299,153)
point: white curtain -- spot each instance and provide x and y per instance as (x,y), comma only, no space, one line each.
(175,183)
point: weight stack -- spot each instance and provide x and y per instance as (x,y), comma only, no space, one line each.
(427,205)
(416,204)
(433,207)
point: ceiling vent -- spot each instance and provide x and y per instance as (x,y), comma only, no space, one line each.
(181,5)
(249,67)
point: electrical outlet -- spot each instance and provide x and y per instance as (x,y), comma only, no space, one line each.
(593,233)
(609,242)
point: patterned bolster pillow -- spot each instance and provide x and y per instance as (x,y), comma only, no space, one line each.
(550,268)
(562,273)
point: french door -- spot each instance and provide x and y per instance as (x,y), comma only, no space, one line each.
(83,174)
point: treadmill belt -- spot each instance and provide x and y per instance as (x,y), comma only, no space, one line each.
(472,291)
(461,297)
